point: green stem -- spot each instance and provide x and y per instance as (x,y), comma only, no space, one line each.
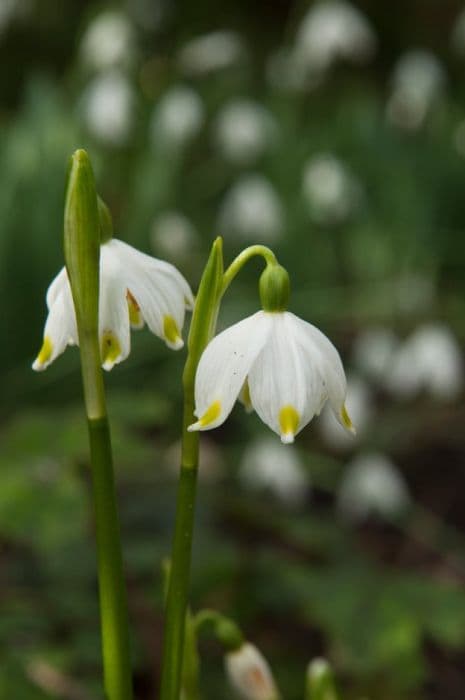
(112,593)
(212,287)
(113,607)
(244,257)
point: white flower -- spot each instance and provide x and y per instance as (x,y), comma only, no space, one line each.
(372,484)
(174,235)
(252,209)
(134,288)
(417,83)
(331,31)
(244,130)
(108,103)
(177,118)
(286,368)
(373,352)
(332,193)
(249,673)
(268,465)
(430,359)
(108,40)
(359,407)
(211,52)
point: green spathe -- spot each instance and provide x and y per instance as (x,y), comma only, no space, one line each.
(275,288)
(106,222)
(82,240)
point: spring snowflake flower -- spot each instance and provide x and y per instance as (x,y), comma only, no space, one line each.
(134,288)
(249,673)
(373,485)
(284,367)
(252,209)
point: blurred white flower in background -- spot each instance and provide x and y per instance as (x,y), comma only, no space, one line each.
(244,130)
(108,107)
(173,235)
(10,10)
(252,209)
(359,406)
(285,72)
(417,84)
(414,292)
(372,485)
(108,41)
(458,35)
(331,191)
(177,118)
(332,31)
(250,674)
(268,465)
(429,360)
(211,52)
(373,351)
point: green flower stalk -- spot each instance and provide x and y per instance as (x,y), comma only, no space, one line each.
(82,230)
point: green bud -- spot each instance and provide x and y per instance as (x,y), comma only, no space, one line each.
(106,222)
(82,241)
(228,633)
(320,681)
(274,288)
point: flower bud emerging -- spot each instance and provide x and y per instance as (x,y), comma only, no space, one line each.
(274,288)
(250,674)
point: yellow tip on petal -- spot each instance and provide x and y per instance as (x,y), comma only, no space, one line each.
(347,423)
(135,317)
(171,333)
(245,397)
(110,350)
(45,353)
(210,415)
(288,422)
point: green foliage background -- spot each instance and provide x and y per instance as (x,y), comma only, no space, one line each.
(384,601)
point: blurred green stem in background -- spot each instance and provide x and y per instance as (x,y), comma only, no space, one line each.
(82,229)
(213,285)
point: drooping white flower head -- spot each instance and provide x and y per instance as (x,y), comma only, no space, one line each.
(107,106)
(285,367)
(359,407)
(177,119)
(252,209)
(249,673)
(108,41)
(332,31)
(372,485)
(134,288)
(268,465)
(418,82)
(331,191)
(244,130)
(429,360)
(211,52)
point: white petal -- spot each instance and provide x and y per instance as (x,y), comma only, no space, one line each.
(223,369)
(160,291)
(286,390)
(60,330)
(113,310)
(320,351)
(56,286)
